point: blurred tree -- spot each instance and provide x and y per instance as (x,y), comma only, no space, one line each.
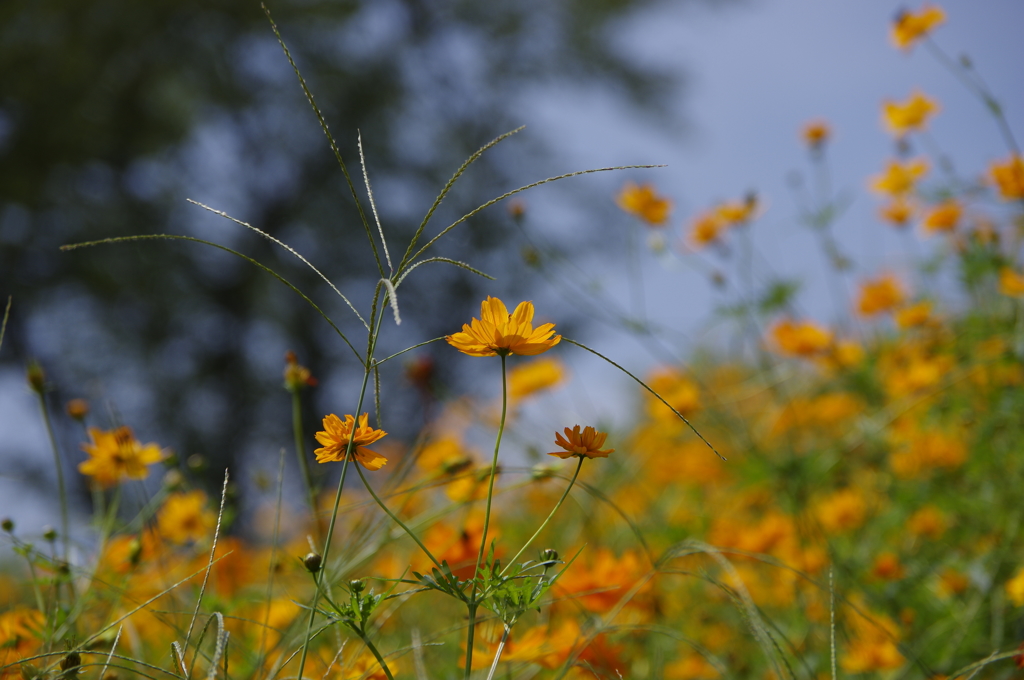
(113,111)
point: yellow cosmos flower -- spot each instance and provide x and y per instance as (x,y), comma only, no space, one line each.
(184,517)
(910,27)
(909,116)
(929,522)
(801,338)
(944,217)
(499,333)
(897,212)
(1009,178)
(914,316)
(643,202)
(880,295)
(116,455)
(534,376)
(816,133)
(336,434)
(738,212)
(1015,588)
(706,228)
(1011,283)
(583,444)
(899,178)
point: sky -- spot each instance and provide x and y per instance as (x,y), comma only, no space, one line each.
(757,72)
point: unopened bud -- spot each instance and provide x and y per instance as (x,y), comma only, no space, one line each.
(356,585)
(312,561)
(550,555)
(135,552)
(174,479)
(295,376)
(77,409)
(196,463)
(49,533)
(7,524)
(71,661)
(36,377)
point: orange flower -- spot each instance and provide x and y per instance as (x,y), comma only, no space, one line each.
(1011,283)
(887,567)
(534,376)
(706,228)
(116,455)
(899,178)
(335,437)
(816,133)
(586,444)
(943,217)
(843,511)
(897,212)
(929,522)
(880,295)
(1015,588)
(909,116)
(184,517)
(498,333)
(737,212)
(21,636)
(914,315)
(642,201)
(909,27)
(1009,177)
(801,339)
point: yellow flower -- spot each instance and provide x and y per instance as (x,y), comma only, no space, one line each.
(21,636)
(1015,588)
(499,333)
(816,133)
(842,511)
(801,339)
(642,201)
(880,295)
(1011,283)
(887,567)
(929,522)
(116,455)
(534,376)
(909,116)
(586,444)
(897,212)
(184,517)
(706,228)
(943,217)
(335,437)
(899,178)
(909,27)
(914,315)
(1009,177)
(737,212)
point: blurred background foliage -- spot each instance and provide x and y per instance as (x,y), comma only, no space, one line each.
(113,112)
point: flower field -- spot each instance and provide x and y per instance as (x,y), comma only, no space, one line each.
(826,500)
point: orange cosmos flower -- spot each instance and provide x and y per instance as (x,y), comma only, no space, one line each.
(899,178)
(913,316)
(943,217)
(116,455)
(706,228)
(737,212)
(897,212)
(880,295)
(184,517)
(498,333)
(816,133)
(583,444)
(534,376)
(801,338)
(1015,588)
(335,437)
(908,116)
(1009,178)
(887,567)
(909,27)
(643,201)
(1011,283)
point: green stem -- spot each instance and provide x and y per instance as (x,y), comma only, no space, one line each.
(396,519)
(300,453)
(487,515)
(376,654)
(66,539)
(550,515)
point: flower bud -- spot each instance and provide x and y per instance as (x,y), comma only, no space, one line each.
(71,661)
(313,561)
(7,524)
(549,556)
(36,377)
(196,463)
(49,533)
(356,585)
(135,552)
(173,480)
(77,409)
